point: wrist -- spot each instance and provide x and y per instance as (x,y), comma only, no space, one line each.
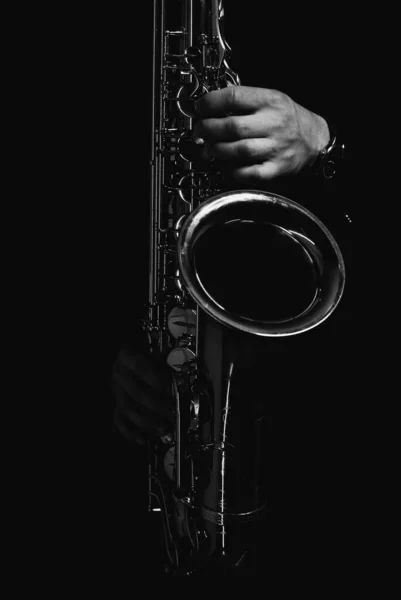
(322,139)
(324,135)
(330,151)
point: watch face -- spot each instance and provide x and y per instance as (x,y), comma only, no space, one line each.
(329,167)
(332,160)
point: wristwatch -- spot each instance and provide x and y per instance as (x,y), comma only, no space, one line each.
(331,157)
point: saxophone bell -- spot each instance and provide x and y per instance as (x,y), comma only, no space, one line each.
(284,228)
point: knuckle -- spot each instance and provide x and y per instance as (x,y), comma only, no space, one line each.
(233,93)
(276,96)
(247,149)
(269,171)
(255,173)
(258,172)
(236,127)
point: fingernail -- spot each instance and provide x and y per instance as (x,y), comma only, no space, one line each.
(199,141)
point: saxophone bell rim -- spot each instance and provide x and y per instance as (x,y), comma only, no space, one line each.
(327,255)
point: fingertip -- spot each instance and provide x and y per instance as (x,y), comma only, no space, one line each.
(198,108)
(167,438)
(200,104)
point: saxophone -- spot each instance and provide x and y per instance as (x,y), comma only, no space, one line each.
(208,480)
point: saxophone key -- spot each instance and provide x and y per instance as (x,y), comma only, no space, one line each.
(181,321)
(179,359)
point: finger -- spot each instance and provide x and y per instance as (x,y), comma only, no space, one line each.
(144,420)
(256,173)
(142,424)
(129,431)
(234,99)
(141,393)
(243,151)
(153,371)
(231,128)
